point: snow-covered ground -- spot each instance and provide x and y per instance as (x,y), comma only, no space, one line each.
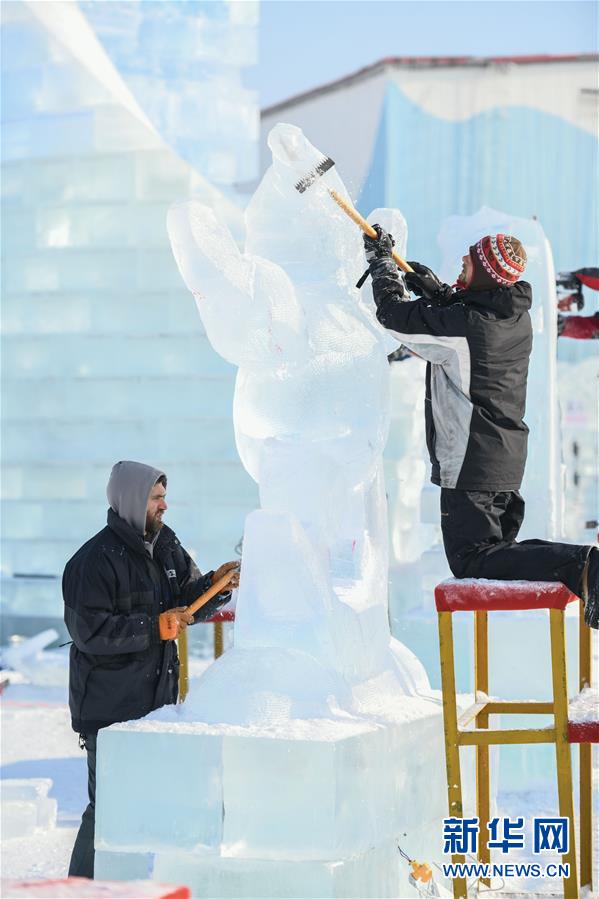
(37,742)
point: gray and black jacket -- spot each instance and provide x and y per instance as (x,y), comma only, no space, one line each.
(477,350)
(114,589)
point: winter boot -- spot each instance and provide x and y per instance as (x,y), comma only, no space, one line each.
(590,589)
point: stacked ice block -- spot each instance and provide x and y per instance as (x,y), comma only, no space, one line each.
(315,809)
(183,61)
(103,357)
(25,807)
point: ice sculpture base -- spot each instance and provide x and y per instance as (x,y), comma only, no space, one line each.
(373,874)
(195,800)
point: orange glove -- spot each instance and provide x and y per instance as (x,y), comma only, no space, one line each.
(171,623)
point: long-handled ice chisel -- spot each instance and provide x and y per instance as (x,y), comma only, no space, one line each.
(182,638)
(327,163)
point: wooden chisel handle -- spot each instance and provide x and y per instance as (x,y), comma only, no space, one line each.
(211,591)
(366,226)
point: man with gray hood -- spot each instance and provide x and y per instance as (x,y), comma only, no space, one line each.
(125,593)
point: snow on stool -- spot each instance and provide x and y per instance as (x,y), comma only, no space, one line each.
(583,728)
(480,594)
(25,806)
(82,888)
(583,717)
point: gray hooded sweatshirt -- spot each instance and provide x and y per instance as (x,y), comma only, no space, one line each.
(128,489)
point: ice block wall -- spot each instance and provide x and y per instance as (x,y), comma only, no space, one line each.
(103,355)
(183,61)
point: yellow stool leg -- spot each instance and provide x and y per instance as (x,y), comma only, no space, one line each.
(562,746)
(183,665)
(585,758)
(452,750)
(218,639)
(483,787)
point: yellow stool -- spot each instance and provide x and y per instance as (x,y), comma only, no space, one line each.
(585,733)
(482,597)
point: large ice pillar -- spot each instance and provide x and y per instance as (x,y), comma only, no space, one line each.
(183,62)
(103,357)
(307,749)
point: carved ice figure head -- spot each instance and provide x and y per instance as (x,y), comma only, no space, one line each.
(313,379)
(305,233)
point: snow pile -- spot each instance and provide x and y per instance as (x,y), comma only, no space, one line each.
(25,807)
(36,664)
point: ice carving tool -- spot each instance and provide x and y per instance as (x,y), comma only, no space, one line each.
(182,638)
(314,174)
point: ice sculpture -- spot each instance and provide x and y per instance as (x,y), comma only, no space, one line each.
(317,734)
(311,410)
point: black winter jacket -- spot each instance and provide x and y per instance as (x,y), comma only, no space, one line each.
(477,350)
(114,592)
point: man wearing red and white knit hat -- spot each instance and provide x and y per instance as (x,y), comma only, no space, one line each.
(497,261)
(477,338)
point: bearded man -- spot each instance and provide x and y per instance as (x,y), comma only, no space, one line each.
(125,593)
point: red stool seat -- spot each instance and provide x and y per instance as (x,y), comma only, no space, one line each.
(583,731)
(470,595)
(223,615)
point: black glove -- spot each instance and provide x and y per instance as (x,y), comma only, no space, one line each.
(561,324)
(378,249)
(567,281)
(424,283)
(213,605)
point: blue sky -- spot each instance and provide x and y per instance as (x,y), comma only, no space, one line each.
(305,43)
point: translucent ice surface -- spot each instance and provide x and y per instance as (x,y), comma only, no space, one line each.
(39,667)
(25,806)
(311,408)
(183,63)
(93,309)
(312,808)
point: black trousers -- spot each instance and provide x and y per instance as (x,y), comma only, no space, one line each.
(479,535)
(82,858)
